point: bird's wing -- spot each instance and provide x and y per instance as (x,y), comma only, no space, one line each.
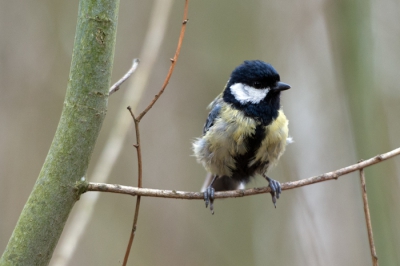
(215,107)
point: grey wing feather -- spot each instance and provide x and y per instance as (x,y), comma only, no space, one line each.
(214,113)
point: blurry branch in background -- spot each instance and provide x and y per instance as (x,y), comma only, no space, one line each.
(137,120)
(354,55)
(132,95)
(117,84)
(173,63)
(134,191)
(368,219)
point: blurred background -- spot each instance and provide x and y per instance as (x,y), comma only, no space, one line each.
(342,59)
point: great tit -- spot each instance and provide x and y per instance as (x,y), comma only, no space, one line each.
(246,131)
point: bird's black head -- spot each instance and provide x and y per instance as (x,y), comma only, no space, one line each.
(254,87)
(257,74)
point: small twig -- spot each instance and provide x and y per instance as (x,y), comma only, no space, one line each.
(117,84)
(137,121)
(368,219)
(139,156)
(134,191)
(173,63)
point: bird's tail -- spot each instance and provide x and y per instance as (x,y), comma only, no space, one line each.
(222,183)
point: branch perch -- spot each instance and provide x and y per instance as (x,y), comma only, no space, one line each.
(148,192)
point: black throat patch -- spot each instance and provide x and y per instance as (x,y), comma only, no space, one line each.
(265,111)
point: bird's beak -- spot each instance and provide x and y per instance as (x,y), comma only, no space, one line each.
(281,86)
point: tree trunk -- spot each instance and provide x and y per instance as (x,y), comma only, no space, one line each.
(55,192)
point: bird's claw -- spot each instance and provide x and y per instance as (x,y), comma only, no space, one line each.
(276,189)
(209,195)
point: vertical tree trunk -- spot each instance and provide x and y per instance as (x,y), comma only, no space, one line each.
(54,194)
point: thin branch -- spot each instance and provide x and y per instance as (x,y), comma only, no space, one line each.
(368,219)
(140,171)
(173,62)
(116,85)
(148,192)
(138,147)
(137,121)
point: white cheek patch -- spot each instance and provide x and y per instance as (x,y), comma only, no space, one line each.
(247,94)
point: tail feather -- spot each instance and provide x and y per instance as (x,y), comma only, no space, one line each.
(222,183)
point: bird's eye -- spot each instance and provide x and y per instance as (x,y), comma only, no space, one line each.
(257,84)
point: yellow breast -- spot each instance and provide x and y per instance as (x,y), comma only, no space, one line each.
(274,144)
(226,139)
(215,150)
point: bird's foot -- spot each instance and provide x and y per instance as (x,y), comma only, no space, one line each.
(209,198)
(275,189)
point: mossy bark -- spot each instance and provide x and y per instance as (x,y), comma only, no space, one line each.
(54,194)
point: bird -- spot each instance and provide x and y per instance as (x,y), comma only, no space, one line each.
(246,131)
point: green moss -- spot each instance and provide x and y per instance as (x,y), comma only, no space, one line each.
(59,184)
(81,187)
